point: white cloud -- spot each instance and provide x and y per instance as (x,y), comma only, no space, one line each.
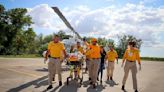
(137,20)
(43,16)
(83,8)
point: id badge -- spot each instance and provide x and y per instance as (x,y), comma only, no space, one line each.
(130,54)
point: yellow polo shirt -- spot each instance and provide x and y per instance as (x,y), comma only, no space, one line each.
(112,55)
(88,54)
(95,51)
(132,55)
(80,49)
(56,49)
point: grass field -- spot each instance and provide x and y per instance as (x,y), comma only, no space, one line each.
(152,58)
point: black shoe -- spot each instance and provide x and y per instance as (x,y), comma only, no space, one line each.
(136,90)
(101,81)
(123,87)
(94,86)
(60,83)
(49,87)
(97,79)
(90,83)
(111,78)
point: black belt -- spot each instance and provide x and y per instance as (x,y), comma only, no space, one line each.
(95,58)
(87,59)
(130,61)
(55,57)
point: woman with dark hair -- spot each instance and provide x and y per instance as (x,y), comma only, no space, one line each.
(131,56)
(102,66)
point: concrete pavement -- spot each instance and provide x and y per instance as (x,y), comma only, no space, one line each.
(30,75)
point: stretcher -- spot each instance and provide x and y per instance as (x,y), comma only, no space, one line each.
(75,63)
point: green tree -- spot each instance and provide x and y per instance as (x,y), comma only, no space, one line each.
(13,23)
(102,41)
(47,39)
(42,42)
(29,41)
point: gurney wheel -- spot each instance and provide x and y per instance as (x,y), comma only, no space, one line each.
(81,80)
(80,83)
(67,81)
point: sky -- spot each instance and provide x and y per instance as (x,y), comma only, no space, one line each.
(143,19)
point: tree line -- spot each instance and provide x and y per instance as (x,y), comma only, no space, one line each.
(17,37)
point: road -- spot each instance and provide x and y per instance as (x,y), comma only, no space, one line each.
(30,75)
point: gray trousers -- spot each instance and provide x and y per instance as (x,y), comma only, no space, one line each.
(87,66)
(110,69)
(54,66)
(130,66)
(93,69)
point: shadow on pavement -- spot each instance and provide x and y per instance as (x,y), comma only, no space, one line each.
(42,70)
(111,83)
(53,90)
(71,87)
(98,88)
(86,83)
(46,70)
(37,83)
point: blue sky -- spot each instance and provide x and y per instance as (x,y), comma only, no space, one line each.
(104,18)
(73,3)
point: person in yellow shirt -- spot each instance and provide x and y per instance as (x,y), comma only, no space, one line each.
(111,57)
(56,50)
(78,47)
(131,55)
(94,61)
